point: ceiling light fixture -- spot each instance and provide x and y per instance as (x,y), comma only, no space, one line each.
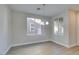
(44,4)
(39,20)
(38,8)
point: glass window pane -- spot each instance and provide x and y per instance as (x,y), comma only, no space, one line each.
(33,28)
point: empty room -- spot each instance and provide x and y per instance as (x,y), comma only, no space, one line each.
(39,29)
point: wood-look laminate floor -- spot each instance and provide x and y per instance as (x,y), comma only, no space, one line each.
(45,48)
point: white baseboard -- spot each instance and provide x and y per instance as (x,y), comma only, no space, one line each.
(68,46)
(60,44)
(7,50)
(73,45)
(28,43)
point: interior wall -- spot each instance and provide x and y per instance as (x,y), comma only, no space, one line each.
(69,37)
(72,28)
(62,40)
(19,29)
(4,29)
(77,28)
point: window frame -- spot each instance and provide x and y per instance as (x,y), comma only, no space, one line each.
(29,32)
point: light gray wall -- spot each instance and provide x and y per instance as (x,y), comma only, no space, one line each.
(69,37)
(4,28)
(19,29)
(13,29)
(62,40)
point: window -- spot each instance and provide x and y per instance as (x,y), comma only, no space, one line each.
(33,26)
(58,26)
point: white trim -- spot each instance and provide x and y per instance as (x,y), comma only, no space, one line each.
(7,50)
(60,44)
(68,46)
(73,45)
(20,44)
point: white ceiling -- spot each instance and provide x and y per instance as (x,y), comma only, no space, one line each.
(47,10)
